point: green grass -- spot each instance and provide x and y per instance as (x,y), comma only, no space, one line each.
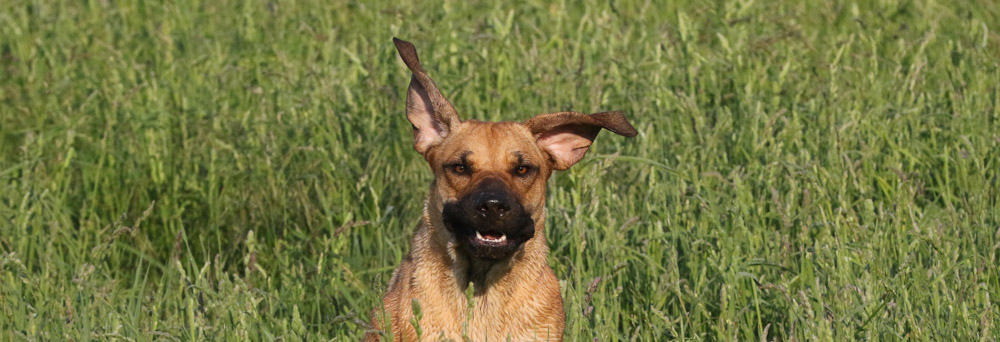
(242,170)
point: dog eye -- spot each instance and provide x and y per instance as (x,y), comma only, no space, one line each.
(522,170)
(459,168)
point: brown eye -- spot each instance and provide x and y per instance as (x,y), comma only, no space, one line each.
(459,168)
(522,170)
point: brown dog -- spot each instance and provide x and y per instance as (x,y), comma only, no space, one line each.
(483,222)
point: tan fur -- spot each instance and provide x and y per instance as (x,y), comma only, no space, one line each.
(515,299)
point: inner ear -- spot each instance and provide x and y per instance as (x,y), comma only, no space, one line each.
(567,144)
(428,130)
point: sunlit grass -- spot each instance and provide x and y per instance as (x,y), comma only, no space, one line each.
(204,170)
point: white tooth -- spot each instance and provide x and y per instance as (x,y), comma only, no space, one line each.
(480,237)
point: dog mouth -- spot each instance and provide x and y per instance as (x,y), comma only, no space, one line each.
(487,240)
(491,238)
(490,244)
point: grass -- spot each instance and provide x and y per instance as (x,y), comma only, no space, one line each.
(242,170)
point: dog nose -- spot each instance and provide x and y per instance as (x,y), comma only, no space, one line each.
(492,207)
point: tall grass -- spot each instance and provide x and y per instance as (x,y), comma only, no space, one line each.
(242,170)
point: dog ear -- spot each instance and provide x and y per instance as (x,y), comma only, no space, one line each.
(431,115)
(566,136)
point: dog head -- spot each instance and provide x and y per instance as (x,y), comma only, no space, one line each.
(489,177)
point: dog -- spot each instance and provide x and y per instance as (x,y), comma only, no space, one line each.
(482,222)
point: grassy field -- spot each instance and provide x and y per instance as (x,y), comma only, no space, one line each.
(242,170)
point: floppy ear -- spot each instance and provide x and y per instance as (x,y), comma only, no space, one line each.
(566,136)
(431,115)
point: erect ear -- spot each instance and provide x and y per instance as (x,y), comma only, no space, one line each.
(431,115)
(566,136)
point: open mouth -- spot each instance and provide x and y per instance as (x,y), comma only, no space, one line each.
(491,238)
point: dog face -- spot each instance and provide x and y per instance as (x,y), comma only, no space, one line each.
(490,180)
(489,177)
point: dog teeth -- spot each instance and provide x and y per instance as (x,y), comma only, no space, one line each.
(502,238)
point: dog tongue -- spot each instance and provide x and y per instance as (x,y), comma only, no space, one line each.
(492,235)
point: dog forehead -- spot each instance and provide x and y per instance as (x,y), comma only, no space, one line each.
(492,141)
